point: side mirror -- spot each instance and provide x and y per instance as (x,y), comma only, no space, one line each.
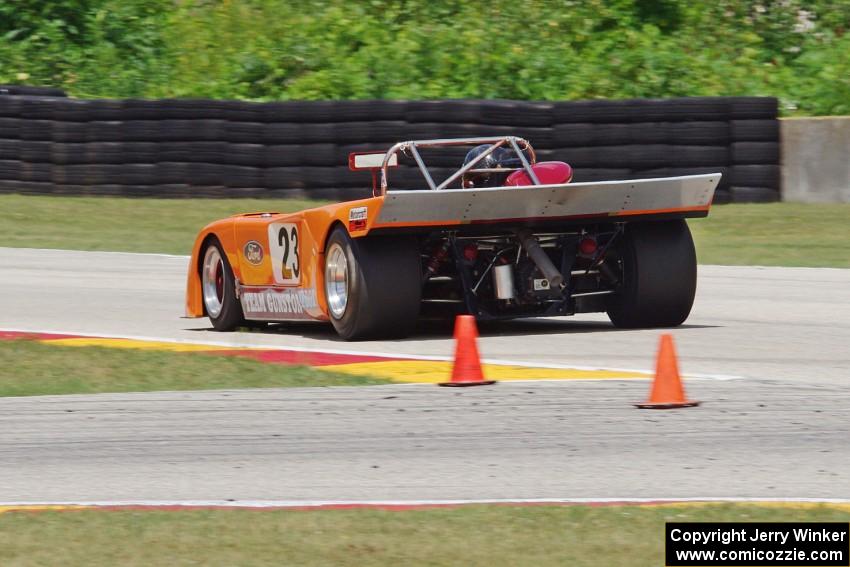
(369,160)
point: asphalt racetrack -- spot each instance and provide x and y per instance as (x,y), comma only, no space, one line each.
(780,429)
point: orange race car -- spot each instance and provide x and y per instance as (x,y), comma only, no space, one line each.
(502,237)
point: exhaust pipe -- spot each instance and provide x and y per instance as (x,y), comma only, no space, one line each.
(503,281)
(540,258)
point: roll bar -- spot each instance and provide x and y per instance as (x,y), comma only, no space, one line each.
(519,145)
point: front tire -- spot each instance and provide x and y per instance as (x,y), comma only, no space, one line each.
(218,290)
(373,286)
(659,275)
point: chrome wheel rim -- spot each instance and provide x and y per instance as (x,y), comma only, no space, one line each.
(336,280)
(212,281)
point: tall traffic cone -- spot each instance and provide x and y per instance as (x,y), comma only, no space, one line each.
(667,391)
(466,370)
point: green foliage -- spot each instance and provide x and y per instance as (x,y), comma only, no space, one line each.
(88,47)
(325,49)
(24,18)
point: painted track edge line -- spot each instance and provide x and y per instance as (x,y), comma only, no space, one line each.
(760,267)
(424,503)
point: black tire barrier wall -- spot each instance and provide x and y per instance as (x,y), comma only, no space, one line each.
(178,148)
(18,90)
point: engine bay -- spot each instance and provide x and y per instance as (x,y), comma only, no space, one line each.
(521,273)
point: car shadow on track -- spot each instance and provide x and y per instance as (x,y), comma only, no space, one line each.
(524,327)
(440,329)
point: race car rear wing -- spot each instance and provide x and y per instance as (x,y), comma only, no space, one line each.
(606,201)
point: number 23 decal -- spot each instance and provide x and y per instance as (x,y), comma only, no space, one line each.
(283,244)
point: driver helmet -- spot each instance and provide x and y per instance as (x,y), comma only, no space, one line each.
(500,158)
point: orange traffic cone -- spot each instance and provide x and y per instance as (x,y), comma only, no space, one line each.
(667,391)
(466,370)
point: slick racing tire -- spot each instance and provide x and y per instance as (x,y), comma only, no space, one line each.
(658,277)
(373,286)
(218,289)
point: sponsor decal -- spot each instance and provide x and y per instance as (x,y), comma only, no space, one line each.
(357,218)
(279,304)
(285,252)
(253,252)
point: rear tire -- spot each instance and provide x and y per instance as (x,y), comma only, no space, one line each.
(218,289)
(373,286)
(659,275)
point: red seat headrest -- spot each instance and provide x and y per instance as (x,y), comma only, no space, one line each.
(548,172)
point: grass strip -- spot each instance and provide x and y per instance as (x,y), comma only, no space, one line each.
(29,368)
(775,234)
(165,226)
(491,536)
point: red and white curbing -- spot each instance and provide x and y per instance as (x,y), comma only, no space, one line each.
(402,505)
(235,343)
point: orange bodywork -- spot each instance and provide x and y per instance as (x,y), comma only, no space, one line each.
(288,261)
